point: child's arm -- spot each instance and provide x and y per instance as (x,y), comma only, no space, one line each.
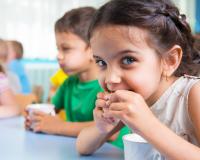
(134,112)
(91,138)
(174,146)
(170,144)
(54,125)
(8,107)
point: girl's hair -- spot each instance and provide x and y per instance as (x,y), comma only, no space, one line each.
(160,18)
(76,21)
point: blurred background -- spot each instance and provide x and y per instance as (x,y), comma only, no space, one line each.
(32,23)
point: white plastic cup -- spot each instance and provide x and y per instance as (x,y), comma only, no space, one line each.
(42,107)
(137,148)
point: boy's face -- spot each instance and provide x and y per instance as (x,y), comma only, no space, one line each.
(73,54)
(126,61)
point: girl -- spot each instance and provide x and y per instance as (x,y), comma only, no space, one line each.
(143,49)
(8,105)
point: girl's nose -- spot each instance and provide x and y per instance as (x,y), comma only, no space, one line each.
(112,77)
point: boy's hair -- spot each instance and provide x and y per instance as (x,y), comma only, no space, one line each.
(76,21)
(160,18)
(17,47)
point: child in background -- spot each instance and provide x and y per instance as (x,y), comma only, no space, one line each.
(12,77)
(8,104)
(78,93)
(143,48)
(14,60)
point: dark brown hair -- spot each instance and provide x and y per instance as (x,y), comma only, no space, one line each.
(76,21)
(160,18)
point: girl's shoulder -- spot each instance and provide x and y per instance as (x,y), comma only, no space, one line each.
(194,105)
(194,95)
(195,90)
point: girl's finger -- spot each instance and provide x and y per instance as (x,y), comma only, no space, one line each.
(97,113)
(123,96)
(103,95)
(100,103)
(116,114)
(118,106)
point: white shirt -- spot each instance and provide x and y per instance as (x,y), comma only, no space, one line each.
(172,108)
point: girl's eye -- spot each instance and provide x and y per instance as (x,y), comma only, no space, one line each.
(100,63)
(127,60)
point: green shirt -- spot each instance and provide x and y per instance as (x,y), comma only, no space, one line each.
(119,142)
(77,98)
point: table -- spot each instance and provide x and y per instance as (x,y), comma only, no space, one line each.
(18,144)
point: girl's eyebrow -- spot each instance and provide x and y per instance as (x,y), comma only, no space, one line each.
(96,57)
(119,53)
(127,51)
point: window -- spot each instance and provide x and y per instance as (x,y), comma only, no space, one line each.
(32,23)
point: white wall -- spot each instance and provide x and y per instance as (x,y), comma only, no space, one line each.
(187,7)
(32,23)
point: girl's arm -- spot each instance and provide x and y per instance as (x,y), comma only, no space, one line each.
(172,145)
(168,143)
(72,128)
(8,107)
(147,125)
(91,138)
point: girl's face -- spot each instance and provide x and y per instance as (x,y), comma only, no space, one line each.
(126,61)
(73,55)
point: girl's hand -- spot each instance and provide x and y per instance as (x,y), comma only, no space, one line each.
(45,123)
(131,109)
(104,124)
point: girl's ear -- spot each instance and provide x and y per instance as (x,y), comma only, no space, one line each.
(172,60)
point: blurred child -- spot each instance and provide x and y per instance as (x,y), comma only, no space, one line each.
(8,104)
(143,48)
(14,60)
(78,93)
(12,77)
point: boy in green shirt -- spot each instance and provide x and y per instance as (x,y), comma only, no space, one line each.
(77,95)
